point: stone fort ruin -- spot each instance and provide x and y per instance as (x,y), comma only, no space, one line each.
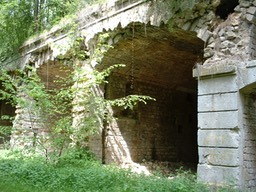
(196,58)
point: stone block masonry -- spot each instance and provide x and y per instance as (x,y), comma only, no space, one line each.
(226,122)
(218,134)
(218,138)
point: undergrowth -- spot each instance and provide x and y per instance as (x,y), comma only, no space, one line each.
(82,173)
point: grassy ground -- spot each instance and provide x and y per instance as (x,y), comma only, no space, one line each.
(75,174)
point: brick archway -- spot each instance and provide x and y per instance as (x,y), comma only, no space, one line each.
(158,63)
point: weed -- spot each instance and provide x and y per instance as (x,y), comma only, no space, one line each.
(78,171)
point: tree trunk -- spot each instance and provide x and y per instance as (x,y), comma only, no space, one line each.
(36,14)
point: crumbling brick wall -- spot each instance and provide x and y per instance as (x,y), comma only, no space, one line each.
(163,130)
(249,152)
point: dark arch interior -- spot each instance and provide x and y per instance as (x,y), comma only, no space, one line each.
(226,7)
(158,64)
(52,72)
(6,110)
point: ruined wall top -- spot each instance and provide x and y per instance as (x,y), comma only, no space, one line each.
(230,41)
(226,27)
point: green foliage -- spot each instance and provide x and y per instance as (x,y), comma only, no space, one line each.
(52,109)
(88,94)
(20,19)
(79,94)
(85,175)
(15,25)
(181,9)
(9,87)
(100,77)
(5,130)
(79,172)
(130,101)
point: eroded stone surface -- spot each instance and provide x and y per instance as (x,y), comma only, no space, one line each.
(217,120)
(218,174)
(218,138)
(219,156)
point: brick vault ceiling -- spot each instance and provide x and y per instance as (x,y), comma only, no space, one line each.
(158,56)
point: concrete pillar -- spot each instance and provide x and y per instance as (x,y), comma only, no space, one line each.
(219,131)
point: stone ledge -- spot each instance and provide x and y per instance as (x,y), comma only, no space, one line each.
(251,64)
(216,70)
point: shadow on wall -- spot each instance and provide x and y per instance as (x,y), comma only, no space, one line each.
(116,147)
(165,130)
(158,64)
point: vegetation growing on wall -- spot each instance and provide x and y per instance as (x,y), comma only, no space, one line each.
(53,109)
(188,10)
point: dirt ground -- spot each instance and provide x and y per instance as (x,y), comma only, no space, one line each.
(159,167)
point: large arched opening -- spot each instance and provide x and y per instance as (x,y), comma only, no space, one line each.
(158,64)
